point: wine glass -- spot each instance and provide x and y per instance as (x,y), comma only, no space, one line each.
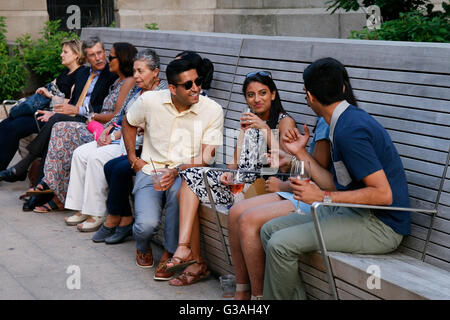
(91,112)
(300,170)
(237,185)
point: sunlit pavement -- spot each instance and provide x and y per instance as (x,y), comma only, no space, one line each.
(43,258)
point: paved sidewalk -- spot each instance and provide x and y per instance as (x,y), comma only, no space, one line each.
(36,251)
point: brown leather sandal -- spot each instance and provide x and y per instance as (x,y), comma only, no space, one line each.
(187,278)
(179,262)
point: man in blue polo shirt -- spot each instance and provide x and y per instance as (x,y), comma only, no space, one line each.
(366,170)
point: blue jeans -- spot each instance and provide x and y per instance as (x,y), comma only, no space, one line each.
(148,208)
(11,131)
(119,176)
(29,106)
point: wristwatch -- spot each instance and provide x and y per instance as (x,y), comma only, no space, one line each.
(327,197)
(112,136)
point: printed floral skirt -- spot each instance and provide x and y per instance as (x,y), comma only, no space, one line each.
(65,138)
(194,179)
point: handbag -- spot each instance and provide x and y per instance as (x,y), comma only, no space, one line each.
(96,128)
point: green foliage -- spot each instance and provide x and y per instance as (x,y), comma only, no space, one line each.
(412,26)
(152,26)
(12,70)
(3,44)
(13,75)
(43,55)
(390,9)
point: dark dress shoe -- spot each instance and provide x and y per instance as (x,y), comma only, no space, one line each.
(9,175)
(103,233)
(120,235)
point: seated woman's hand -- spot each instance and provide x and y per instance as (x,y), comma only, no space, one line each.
(226,178)
(43,91)
(104,138)
(251,120)
(44,115)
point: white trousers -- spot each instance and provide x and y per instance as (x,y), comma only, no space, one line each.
(88,189)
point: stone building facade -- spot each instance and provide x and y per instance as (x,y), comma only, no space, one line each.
(304,18)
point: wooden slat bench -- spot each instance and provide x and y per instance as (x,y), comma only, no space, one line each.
(405,86)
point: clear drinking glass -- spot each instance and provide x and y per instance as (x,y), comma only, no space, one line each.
(56,99)
(244,123)
(228,285)
(300,170)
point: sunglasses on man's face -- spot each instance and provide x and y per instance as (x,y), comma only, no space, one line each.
(259,73)
(188,84)
(111,58)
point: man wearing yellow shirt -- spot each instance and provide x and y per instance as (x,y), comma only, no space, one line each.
(182,130)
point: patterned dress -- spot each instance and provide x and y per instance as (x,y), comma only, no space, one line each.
(252,151)
(65,138)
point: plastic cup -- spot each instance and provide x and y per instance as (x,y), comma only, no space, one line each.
(228,285)
(56,100)
(156,177)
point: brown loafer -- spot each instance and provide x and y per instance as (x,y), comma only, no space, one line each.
(161,272)
(144,260)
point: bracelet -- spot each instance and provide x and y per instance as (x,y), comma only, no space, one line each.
(134,161)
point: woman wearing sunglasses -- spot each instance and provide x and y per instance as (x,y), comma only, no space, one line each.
(67,136)
(267,114)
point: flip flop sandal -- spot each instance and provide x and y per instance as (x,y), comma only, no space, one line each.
(179,262)
(48,207)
